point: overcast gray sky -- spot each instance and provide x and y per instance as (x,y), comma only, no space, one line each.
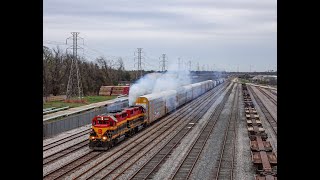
(219,34)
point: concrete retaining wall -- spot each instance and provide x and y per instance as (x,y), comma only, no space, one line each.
(51,128)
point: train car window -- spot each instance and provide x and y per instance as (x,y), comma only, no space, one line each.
(93,122)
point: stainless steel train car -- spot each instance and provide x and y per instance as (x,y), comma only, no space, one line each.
(158,105)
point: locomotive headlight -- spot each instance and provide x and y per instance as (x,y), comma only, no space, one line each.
(104,137)
(92,137)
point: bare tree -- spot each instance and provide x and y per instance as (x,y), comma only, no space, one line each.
(47,56)
(107,66)
(120,69)
(56,68)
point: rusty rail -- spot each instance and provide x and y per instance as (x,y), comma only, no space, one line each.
(263,157)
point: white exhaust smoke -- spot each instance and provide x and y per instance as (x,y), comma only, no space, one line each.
(157,82)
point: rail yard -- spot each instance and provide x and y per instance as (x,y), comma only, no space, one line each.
(163,90)
(223,129)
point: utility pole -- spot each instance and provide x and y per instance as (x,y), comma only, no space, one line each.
(138,57)
(163,62)
(74,87)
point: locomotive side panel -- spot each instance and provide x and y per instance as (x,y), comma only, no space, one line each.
(144,102)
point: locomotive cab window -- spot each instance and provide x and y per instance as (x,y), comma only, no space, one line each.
(102,122)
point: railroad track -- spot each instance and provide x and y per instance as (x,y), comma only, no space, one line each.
(82,142)
(180,126)
(267,114)
(65,151)
(137,139)
(274,92)
(186,166)
(58,155)
(227,155)
(59,173)
(262,154)
(272,99)
(65,139)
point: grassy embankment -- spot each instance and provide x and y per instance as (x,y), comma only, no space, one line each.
(88,99)
(243,80)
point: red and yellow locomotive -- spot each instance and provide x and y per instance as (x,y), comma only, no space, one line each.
(109,129)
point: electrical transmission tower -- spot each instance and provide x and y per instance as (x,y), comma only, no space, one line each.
(198,67)
(138,57)
(74,87)
(163,62)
